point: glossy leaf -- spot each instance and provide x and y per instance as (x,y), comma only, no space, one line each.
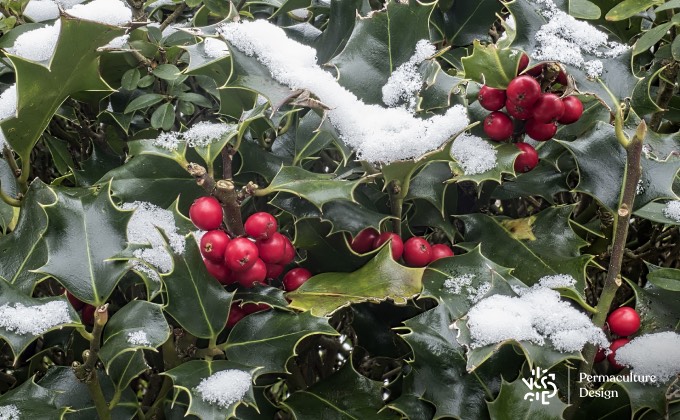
(511,402)
(31,401)
(490,65)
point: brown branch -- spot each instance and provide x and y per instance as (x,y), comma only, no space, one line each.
(173,16)
(666,93)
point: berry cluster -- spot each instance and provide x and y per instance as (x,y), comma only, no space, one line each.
(246,260)
(624,321)
(416,251)
(528,110)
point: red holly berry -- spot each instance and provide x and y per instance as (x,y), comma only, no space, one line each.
(624,321)
(523,90)
(396,243)
(240,254)
(540,131)
(75,302)
(616,344)
(274,270)
(548,108)
(491,98)
(363,242)
(295,278)
(219,271)
(562,78)
(251,308)
(261,225)
(498,126)
(440,251)
(518,111)
(417,252)
(523,63)
(288,252)
(206,213)
(536,70)
(256,273)
(527,159)
(272,250)
(213,245)
(573,109)
(88,314)
(600,356)
(235,315)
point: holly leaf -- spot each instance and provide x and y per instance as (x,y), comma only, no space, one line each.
(318,189)
(30,401)
(438,369)
(188,376)
(14,332)
(657,307)
(468,21)
(491,65)
(85,229)
(654,212)
(664,278)
(345,394)
(312,135)
(378,45)
(429,184)
(124,369)
(268,339)
(137,325)
(23,250)
(511,403)
(324,293)
(41,90)
(195,299)
(147,147)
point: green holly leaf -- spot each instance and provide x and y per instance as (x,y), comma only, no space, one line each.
(467,21)
(491,65)
(341,20)
(511,403)
(200,63)
(188,376)
(195,299)
(325,293)
(645,396)
(23,250)
(438,369)
(137,325)
(146,147)
(664,278)
(657,307)
(318,189)
(505,161)
(268,339)
(429,184)
(345,394)
(654,212)
(84,230)
(544,180)
(272,296)
(30,401)
(311,136)
(604,181)
(47,314)
(629,8)
(41,90)
(123,370)
(254,159)
(378,45)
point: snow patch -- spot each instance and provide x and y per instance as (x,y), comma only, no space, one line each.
(8,103)
(41,10)
(376,133)
(655,354)
(225,387)
(671,211)
(200,135)
(215,48)
(473,154)
(38,44)
(10,412)
(108,12)
(405,82)
(138,338)
(117,42)
(33,320)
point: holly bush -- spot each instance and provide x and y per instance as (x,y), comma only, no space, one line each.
(321,124)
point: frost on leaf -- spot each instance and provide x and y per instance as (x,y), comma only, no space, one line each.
(143,229)
(663,361)
(215,48)
(200,135)
(225,387)
(672,210)
(473,154)
(138,338)
(538,314)
(10,412)
(34,320)
(376,133)
(567,40)
(405,82)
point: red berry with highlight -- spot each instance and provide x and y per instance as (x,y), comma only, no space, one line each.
(527,159)
(288,252)
(206,213)
(491,98)
(240,254)
(548,108)
(523,63)
(616,344)
(296,278)
(257,273)
(600,356)
(536,70)
(624,321)
(219,271)
(213,245)
(396,243)
(573,109)
(540,131)
(75,302)
(417,252)
(518,111)
(523,90)
(440,251)
(363,242)
(498,126)
(261,225)
(272,250)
